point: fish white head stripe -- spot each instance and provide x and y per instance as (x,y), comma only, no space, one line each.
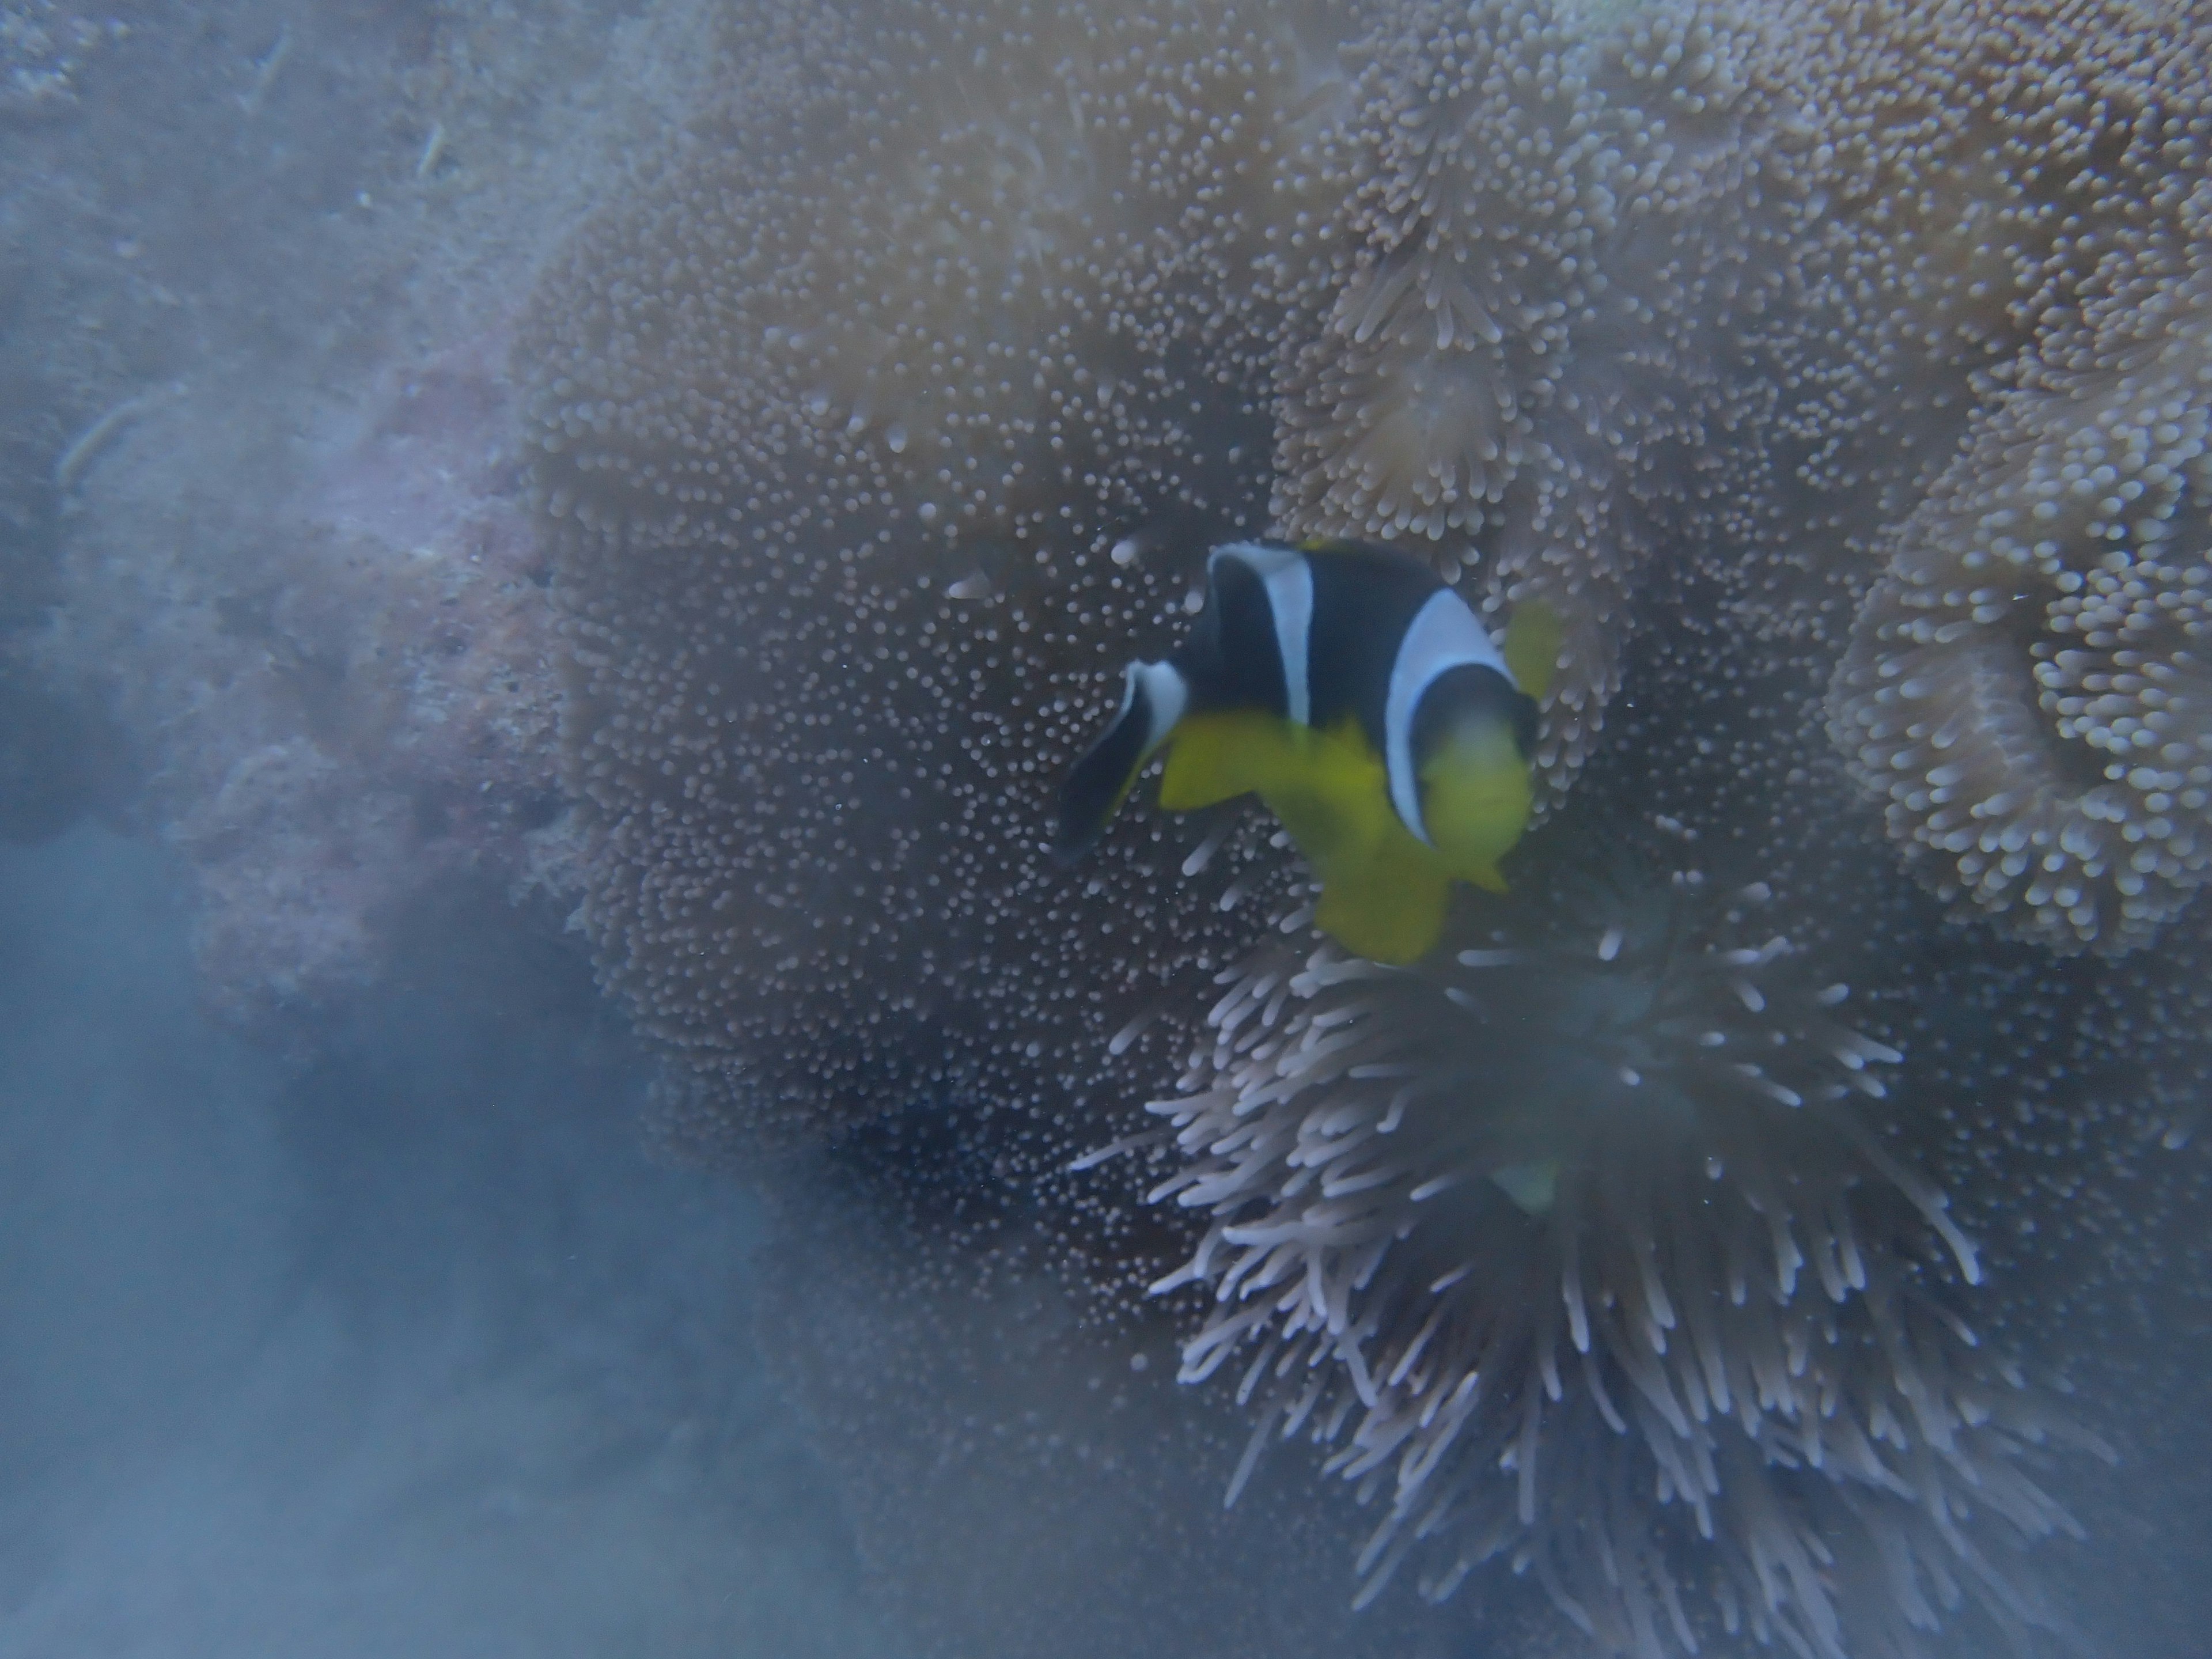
(1166,696)
(1288,578)
(1443,636)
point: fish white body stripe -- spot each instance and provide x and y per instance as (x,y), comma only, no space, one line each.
(1166,696)
(1288,580)
(1444,634)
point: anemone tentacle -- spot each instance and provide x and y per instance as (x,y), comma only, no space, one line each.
(1722,1289)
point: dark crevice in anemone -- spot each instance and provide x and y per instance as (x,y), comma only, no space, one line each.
(937,1165)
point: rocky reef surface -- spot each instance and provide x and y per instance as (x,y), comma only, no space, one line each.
(262,529)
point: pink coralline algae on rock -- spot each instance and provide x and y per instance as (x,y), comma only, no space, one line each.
(345,701)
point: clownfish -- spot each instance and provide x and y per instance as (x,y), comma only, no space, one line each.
(1358,696)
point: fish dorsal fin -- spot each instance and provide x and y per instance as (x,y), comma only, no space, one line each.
(1533,640)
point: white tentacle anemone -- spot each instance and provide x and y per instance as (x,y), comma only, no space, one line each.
(1590,1219)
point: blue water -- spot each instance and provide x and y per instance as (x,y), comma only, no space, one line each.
(403,1344)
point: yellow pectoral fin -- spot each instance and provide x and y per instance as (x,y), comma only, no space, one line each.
(1478,793)
(1534,1186)
(1216,757)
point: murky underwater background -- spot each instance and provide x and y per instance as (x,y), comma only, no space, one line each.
(403,1348)
(352,1298)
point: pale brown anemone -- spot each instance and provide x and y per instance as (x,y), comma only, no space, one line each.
(879,429)
(2030,682)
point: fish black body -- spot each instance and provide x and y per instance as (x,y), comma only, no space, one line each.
(1360,697)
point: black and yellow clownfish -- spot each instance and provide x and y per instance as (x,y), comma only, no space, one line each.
(1357,695)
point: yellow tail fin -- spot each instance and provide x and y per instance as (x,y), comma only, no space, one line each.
(1386,910)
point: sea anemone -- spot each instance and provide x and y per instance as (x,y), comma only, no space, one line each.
(2021,264)
(865,465)
(885,421)
(874,435)
(1579,1252)
(2029,683)
(870,445)
(1505,340)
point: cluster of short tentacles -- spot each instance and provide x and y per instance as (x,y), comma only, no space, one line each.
(1589,1217)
